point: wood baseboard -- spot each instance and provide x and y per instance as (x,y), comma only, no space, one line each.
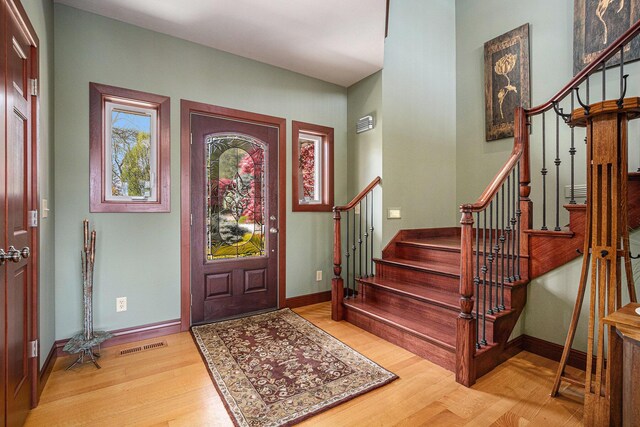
(135,333)
(303,300)
(47,367)
(553,351)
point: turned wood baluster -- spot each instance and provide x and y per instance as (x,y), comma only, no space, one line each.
(337,283)
(466,323)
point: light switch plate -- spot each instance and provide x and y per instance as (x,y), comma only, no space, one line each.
(394,213)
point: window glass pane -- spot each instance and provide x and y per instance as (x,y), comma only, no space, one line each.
(131,154)
(235,197)
(310,164)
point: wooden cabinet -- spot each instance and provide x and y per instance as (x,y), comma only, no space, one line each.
(625,352)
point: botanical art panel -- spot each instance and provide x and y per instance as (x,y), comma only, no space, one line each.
(597,24)
(506,77)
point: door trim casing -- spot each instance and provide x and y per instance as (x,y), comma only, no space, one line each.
(186,109)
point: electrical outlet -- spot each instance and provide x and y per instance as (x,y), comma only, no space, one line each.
(121,304)
(319,276)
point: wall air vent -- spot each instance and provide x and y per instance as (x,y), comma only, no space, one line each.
(579,191)
(364,124)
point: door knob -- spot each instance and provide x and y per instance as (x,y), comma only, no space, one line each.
(13,254)
(25,252)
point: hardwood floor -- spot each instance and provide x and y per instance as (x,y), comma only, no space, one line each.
(171,387)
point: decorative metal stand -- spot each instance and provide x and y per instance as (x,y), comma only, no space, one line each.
(87,343)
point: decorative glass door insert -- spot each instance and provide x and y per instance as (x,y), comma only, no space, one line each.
(235,181)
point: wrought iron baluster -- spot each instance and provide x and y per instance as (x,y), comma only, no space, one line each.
(514,238)
(572,154)
(508,229)
(490,256)
(543,171)
(518,214)
(372,239)
(366,236)
(347,255)
(604,81)
(476,279)
(496,252)
(484,277)
(557,162)
(588,91)
(502,240)
(622,82)
(360,240)
(353,248)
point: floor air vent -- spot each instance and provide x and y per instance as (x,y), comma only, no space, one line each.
(139,349)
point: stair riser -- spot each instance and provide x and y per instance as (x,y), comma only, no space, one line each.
(418,253)
(400,273)
(414,344)
(429,315)
(432,315)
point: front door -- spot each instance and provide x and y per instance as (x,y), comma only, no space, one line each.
(234,205)
(15,194)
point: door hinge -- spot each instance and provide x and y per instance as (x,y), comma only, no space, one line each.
(191,303)
(33,218)
(34,87)
(33,348)
(191,138)
(190,219)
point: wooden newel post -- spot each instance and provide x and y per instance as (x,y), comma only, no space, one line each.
(466,324)
(337,283)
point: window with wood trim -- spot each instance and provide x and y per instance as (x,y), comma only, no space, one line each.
(129,150)
(312,167)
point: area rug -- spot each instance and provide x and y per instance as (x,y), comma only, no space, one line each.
(276,369)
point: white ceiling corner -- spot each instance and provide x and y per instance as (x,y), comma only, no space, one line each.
(336,41)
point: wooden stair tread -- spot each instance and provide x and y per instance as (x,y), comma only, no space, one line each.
(438,242)
(435,296)
(432,335)
(429,266)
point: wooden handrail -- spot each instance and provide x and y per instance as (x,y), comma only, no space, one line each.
(359,197)
(520,148)
(604,56)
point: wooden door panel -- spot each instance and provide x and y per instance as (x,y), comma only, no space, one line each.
(17,334)
(3,131)
(17,191)
(17,180)
(234,205)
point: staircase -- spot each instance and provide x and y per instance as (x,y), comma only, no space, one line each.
(413,301)
(454,295)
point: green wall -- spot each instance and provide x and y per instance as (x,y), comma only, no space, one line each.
(551,297)
(138,254)
(365,149)
(40,14)
(418,106)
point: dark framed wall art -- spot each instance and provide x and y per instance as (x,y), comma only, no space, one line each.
(506,77)
(597,24)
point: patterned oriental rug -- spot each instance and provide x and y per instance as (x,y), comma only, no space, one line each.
(276,369)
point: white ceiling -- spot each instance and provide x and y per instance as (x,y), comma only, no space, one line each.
(339,41)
